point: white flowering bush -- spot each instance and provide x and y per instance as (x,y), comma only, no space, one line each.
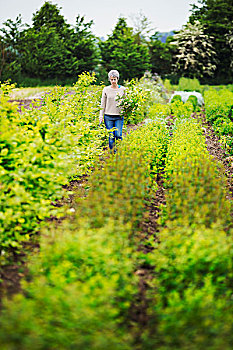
(196,55)
(229,38)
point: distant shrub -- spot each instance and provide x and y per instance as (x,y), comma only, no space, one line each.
(180,109)
(187,84)
(193,99)
(176,98)
(168,85)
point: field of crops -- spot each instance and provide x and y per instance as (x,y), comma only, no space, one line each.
(143,258)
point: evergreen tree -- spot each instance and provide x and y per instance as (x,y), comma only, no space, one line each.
(50,48)
(217,17)
(121,51)
(10,45)
(54,49)
(161,55)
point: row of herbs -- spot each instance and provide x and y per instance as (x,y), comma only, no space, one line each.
(219,112)
(190,299)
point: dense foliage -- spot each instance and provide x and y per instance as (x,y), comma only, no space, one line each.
(217,18)
(85,271)
(219,112)
(41,149)
(49,49)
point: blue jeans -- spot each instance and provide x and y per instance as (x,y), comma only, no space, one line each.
(114,121)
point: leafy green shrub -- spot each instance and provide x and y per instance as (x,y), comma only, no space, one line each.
(83,283)
(187,84)
(223,126)
(193,307)
(41,149)
(159,111)
(176,98)
(151,141)
(180,109)
(218,105)
(194,320)
(193,100)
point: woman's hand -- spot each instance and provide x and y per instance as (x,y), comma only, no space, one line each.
(101,119)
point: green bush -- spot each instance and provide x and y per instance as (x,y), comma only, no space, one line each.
(41,150)
(176,98)
(193,100)
(159,111)
(218,106)
(193,281)
(180,109)
(223,126)
(217,103)
(187,84)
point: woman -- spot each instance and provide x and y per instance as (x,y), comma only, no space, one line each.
(110,112)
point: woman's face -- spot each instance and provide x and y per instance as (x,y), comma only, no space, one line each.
(113,81)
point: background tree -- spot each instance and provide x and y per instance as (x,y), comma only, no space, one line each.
(50,48)
(195,56)
(54,49)
(217,16)
(121,51)
(161,55)
(10,44)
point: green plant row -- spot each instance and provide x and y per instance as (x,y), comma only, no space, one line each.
(41,150)
(82,283)
(177,109)
(219,112)
(192,307)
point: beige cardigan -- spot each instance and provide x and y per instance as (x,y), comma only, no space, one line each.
(108,100)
